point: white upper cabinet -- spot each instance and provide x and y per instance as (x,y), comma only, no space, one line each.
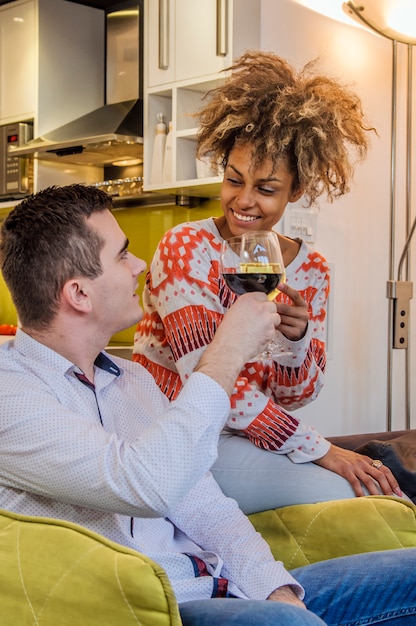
(51,62)
(190,39)
(188,44)
(17,62)
(159,36)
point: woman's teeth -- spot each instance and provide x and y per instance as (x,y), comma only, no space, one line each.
(244,218)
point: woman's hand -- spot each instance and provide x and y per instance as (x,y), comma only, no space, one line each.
(359,471)
(295,317)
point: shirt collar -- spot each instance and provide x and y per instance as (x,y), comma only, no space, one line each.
(105,363)
(42,356)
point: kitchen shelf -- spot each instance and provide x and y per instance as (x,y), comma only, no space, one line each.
(197,187)
(190,133)
(177,102)
(147,199)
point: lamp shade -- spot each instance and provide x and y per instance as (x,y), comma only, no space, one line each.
(394,19)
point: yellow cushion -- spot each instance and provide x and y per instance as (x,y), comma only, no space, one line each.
(307,533)
(56,573)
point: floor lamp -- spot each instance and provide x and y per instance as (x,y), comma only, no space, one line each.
(383,17)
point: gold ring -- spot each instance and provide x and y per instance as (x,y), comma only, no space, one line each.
(376,463)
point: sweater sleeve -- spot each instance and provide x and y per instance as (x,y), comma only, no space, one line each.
(300,377)
(185,300)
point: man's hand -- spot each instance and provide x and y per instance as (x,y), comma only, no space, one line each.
(248,325)
(246,328)
(359,471)
(287,595)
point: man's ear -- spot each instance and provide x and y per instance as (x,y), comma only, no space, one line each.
(76,295)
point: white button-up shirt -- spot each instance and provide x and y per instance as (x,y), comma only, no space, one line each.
(120,460)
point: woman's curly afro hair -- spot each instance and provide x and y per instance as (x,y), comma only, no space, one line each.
(311,121)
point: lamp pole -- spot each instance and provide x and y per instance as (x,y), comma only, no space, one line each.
(398,291)
(390,282)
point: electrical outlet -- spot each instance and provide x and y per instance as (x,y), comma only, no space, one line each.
(302,224)
(401,310)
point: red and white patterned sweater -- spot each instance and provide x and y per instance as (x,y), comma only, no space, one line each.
(185,299)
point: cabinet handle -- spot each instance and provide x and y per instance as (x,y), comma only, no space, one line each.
(222,28)
(163,34)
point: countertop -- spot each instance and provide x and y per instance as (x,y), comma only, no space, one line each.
(4,338)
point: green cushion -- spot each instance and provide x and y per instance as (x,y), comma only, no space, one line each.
(56,573)
(307,533)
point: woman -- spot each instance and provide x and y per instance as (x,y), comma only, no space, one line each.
(279,135)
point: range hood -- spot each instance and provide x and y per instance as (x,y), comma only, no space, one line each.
(108,135)
(113,133)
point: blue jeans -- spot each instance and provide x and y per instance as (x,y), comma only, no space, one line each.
(234,612)
(363,589)
(358,590)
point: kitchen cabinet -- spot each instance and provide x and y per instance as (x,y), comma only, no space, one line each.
(188,45)
(159,38)
(175,103)
(17,62)
(51,62)
(188,39)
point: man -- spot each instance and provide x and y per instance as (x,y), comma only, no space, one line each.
(92,440)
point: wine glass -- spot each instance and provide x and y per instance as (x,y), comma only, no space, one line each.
(254,262)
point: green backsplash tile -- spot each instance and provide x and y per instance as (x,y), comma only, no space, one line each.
(145,227)
(7,311)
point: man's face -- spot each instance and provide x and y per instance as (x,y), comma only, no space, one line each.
(116,304)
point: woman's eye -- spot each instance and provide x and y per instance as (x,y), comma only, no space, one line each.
(266,190)
(233,181)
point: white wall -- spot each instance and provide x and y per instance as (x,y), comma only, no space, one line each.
(353,233)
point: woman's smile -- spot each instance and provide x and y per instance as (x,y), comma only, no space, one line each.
(243,217)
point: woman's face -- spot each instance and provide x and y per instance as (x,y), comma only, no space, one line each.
(253,199)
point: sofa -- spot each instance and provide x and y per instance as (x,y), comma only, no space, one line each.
(55,573)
